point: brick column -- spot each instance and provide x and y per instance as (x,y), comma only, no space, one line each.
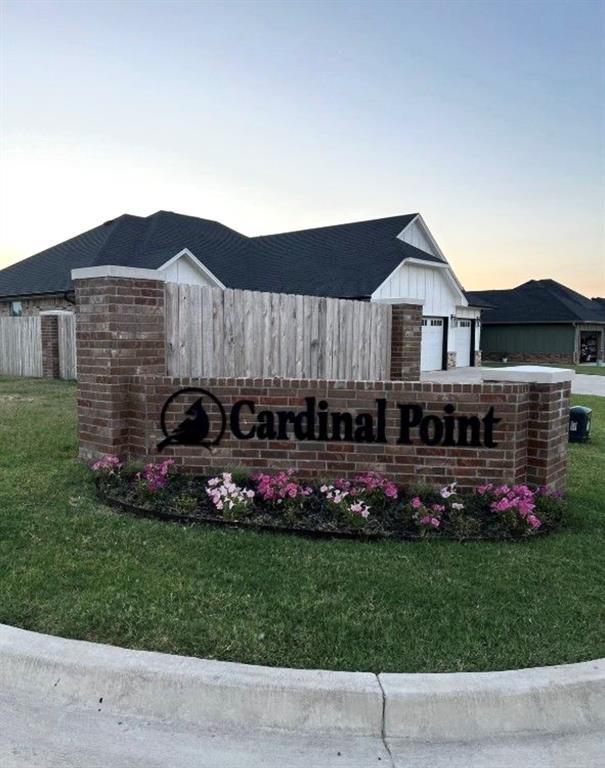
(547,423)
(548,434)
(49,331)
(120,332)
(406,334)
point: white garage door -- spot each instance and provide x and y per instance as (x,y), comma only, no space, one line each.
(463,343)
(431,350)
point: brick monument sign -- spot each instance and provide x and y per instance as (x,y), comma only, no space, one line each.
(499,431)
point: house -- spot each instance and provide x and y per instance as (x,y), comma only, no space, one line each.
(541,321)
(394,260)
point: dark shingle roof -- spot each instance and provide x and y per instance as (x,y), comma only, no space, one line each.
(345,260)
(128,241)
(537,301)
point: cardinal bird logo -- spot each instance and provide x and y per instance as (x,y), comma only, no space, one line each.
(195,429)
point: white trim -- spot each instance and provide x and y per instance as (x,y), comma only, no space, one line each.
(399,300)
(196,262)
(423,263)
(112,270)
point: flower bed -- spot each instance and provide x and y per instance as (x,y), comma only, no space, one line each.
(368,506)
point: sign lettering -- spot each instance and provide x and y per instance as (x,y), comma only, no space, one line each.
(189,410)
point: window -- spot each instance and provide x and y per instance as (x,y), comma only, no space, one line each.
(16,309)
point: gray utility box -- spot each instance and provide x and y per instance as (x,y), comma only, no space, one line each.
(580,419)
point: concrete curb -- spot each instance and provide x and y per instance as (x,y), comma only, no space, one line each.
(187,689)
(479,705)
(432,707)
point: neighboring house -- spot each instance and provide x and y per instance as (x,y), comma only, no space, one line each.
(541,321)
(393,260)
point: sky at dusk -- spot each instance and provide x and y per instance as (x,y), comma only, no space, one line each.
(487,117)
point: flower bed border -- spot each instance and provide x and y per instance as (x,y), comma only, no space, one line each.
(311,533)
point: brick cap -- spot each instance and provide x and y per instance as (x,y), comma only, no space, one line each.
(538,374)
(113,270)
(397,300)
(55,312)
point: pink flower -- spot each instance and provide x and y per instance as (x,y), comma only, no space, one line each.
(533,521)
(438,508)
(500,506)
(415,503)
(525,507)
(483,489)
(361,509)
(109,464)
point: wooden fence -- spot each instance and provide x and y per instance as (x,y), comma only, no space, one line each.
(213,332)
(67,346)
(20,346)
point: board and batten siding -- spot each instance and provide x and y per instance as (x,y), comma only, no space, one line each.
(20,346)
(531,338)
(216,332)
(424,283)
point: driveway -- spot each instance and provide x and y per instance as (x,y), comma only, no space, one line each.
(581,384)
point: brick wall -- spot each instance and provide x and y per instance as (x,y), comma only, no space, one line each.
(406,334)
(315,458)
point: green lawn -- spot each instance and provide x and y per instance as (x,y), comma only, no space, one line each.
(71,567)
(591,370)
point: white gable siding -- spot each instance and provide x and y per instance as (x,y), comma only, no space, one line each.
(414,235)
(184,271)
(430,284)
